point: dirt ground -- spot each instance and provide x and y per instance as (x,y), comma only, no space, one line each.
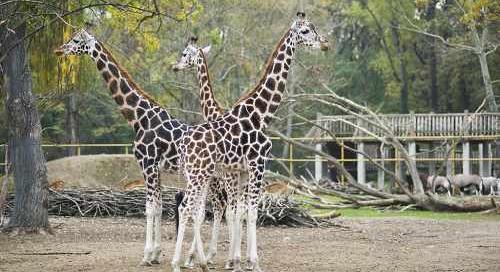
(384,244)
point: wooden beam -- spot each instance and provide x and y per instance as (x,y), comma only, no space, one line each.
(466,158)
(361,163)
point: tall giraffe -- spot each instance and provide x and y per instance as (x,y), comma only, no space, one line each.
(238,138)
(192,56)
(157,134)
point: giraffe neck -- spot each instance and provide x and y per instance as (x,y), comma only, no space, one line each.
(267,95)
(133,102)
(210,106)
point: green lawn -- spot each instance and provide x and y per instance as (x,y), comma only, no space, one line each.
(376,213)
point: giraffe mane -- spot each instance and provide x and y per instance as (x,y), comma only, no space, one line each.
(127,76)
(209,82)
(269,66)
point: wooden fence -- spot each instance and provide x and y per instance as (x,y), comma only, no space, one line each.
(419,124)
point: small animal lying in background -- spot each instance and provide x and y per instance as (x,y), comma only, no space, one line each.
(57,185)
(133,184)
(278,189)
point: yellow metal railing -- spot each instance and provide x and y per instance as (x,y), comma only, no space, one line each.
(291,159)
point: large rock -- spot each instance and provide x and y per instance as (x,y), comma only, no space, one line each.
(98,171)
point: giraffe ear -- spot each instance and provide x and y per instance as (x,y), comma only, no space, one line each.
(206,49)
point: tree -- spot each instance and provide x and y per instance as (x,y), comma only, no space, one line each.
(26,157)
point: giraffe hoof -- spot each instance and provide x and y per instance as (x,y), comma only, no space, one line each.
(188,266)
(145,263)
(189,263)
(229,265)
(204,267)
(155,262)
(253,266)
(236,265)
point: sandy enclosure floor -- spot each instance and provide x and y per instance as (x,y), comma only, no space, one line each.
(387,244)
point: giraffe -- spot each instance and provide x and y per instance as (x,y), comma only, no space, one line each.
(237,138)
(157,133)
(193,56)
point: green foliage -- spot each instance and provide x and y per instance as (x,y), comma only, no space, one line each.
(363,66)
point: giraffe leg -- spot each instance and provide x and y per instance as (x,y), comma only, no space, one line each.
(152,202)
(253,197)
(148,248)
(189,263)
(230,210)
(157,232)
(253,264)
(237,239)
(230,183)
(199,216)
(219,198)
(212,246)
(183,218)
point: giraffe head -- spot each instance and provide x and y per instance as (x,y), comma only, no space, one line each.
(81,42)
(190,55)
(306,34)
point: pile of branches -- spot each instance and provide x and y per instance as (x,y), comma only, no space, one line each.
(87,202)
(287,212)
(105,203)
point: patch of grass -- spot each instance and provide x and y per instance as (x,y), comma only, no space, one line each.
(370,212)
(375,213)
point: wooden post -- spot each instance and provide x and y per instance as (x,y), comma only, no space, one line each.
(449,162)
(412,150)
(380,172)
(432,162)
(318,164)
(466,158)
(482,161)
(489,162)
(397,168)
(361,163)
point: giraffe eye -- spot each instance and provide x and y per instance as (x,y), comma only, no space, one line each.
(305,31)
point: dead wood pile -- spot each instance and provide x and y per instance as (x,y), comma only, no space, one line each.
(104,202)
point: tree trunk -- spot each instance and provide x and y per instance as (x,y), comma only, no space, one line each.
(72,121)
(28,163)
(402,69)
(488,86)
(480,51)
(433,73)
(464,95)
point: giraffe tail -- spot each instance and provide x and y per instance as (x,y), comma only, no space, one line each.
(179,196)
